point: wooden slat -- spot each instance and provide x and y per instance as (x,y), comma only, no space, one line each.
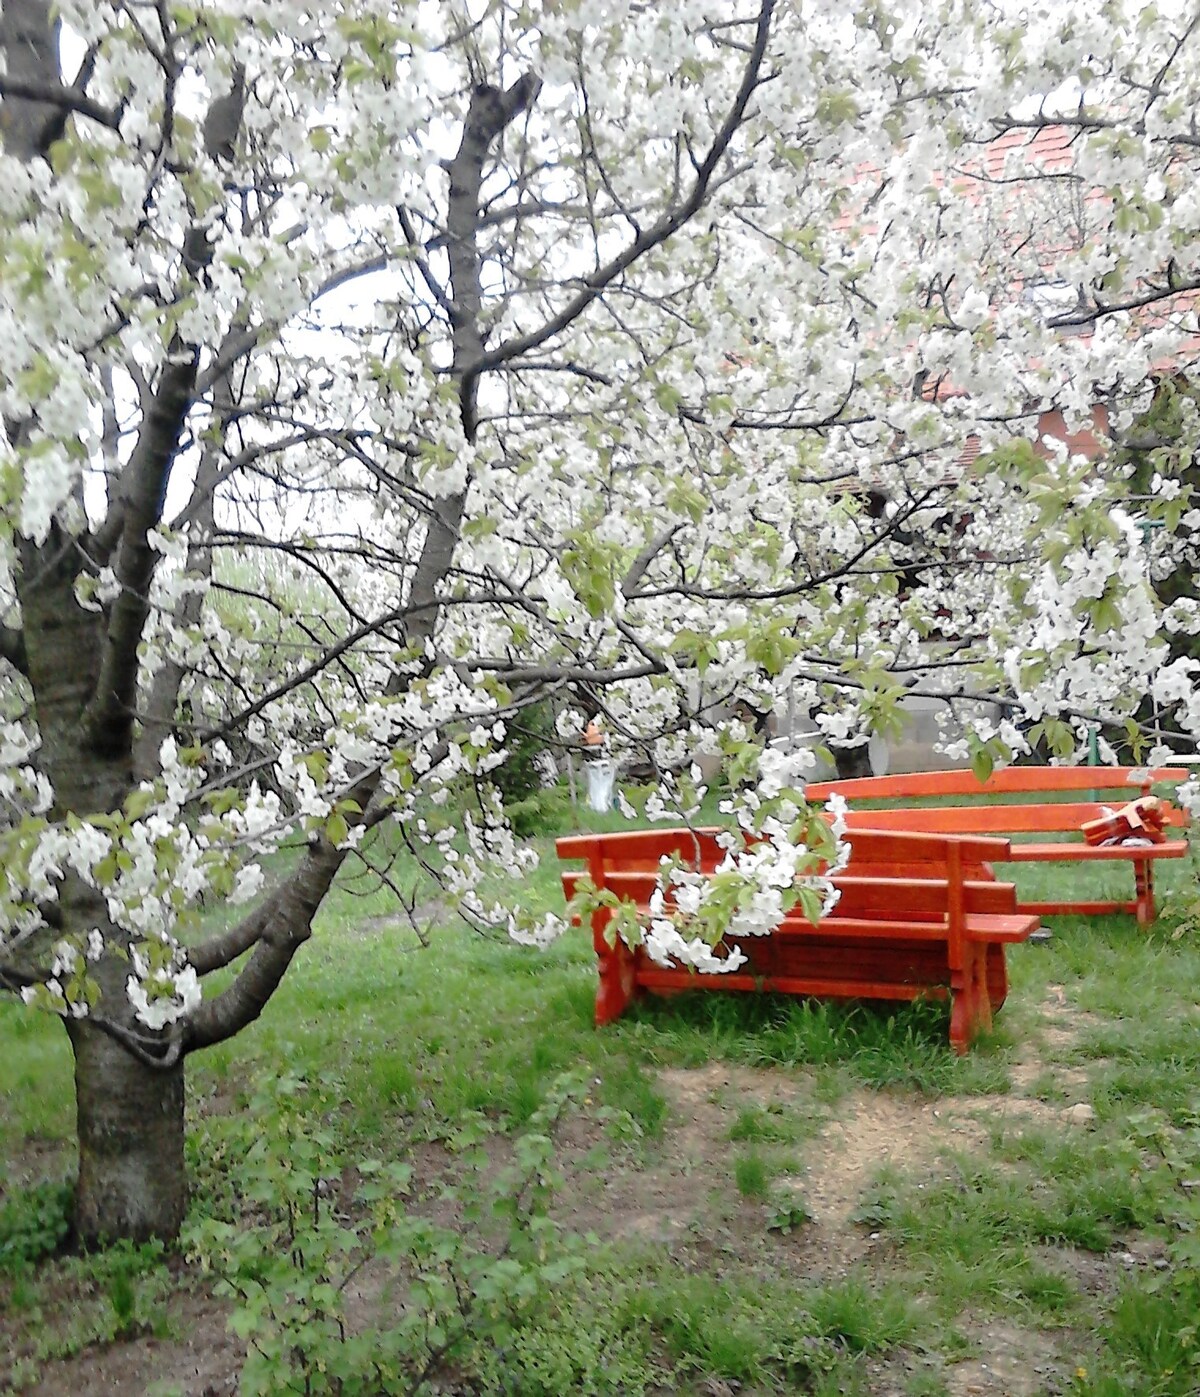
(1011,780)
(912,844)
(1085,853)
(916,897)
(660,980)
(978,819)
(1006,928)
(644,845)
(892,899)
(897,929)
(644,849)
(866,928)
(1078,909)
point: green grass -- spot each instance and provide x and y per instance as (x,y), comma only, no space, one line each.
(443,1058)
(752,1175)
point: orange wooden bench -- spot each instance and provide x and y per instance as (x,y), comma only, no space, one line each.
(1060,800)
(919,915)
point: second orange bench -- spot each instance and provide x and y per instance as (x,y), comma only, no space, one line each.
(1055,803)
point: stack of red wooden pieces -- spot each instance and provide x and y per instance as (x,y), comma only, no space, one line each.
(1141,819)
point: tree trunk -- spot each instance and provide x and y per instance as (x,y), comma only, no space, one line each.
(132,1182)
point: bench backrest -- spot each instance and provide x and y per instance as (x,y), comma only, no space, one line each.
(892,876)
(1054,807)
(885,851)
(1124,781)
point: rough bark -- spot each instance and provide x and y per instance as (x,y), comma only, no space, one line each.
(132,1179)
(29,40)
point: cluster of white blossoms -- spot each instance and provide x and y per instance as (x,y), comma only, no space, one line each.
(161,994)
(749,893)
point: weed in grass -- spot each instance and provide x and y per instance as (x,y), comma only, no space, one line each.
(846,1378)
(906,1048)
(494,1301)
(738,1329)
(1150,1334)
(1149,1346)
(1084,1188)
(34,1224)
(751,1175)
(23,1293)
(585,1340)
(771,1124)
(1048,1293)
(627,1088)
(132,1278)
(23,1373)
(1046,1087)
(788,1213)
(862,1318)
(393,1080)
(881,1206)
(119,1293)
(926,1385)
(35,1051)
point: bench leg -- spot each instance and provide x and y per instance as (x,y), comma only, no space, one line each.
(997,976)
(1143,880)
(970,1005)
(618,986)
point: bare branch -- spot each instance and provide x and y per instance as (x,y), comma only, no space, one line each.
(68,98)
(643,560)
(14,980)
(436,290)
(287,924)
(224,948)
(109,717)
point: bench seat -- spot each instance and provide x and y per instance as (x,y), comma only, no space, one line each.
(1085,853)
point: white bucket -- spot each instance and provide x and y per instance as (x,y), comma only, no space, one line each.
(600,778)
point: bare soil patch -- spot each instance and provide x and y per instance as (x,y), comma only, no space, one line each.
(204,1361)
(1013,1362)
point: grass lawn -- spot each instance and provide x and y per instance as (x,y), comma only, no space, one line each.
(425,1171)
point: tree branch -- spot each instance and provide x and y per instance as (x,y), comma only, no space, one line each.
(109,716)
(68,98)
(224,948)
(14,980)
(663,228)
(287,924)
(29,43)
(637,569)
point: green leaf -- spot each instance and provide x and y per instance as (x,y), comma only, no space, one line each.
(981,763)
